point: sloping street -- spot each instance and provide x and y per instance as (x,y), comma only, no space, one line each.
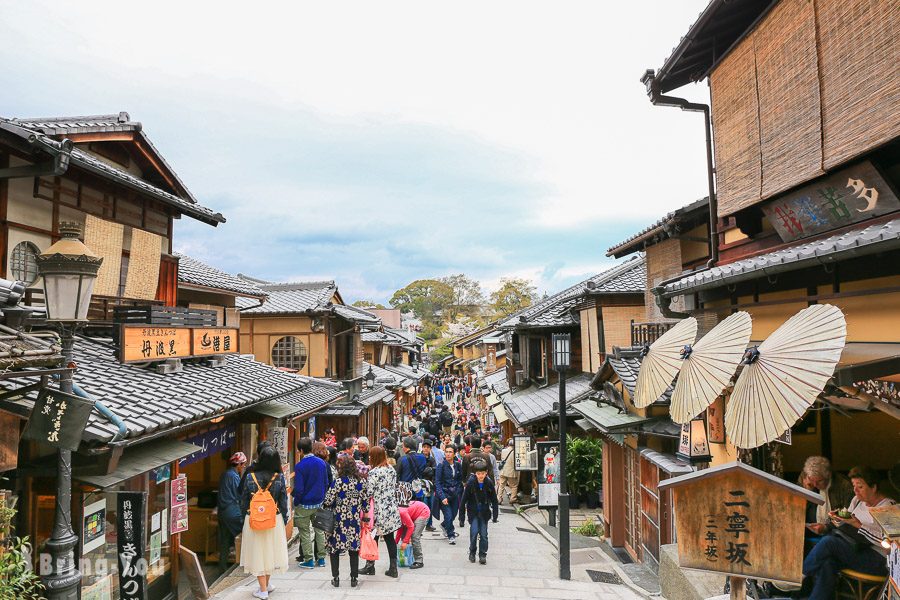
(521,564)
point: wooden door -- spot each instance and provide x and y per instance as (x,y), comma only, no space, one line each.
(633,503)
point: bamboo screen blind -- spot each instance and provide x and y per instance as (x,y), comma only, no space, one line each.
(105,238)
(859,45)
(736,122)
(816,84)
(788,97)
(143,265)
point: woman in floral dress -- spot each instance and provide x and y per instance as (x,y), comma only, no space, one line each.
(382,487)
(349,500)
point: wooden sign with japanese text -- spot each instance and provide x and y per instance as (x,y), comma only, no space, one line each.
(740,521)
(207,342)
(146,343)
(58,419)
(715,420)
(849,196)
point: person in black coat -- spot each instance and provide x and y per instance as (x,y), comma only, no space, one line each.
(479,502)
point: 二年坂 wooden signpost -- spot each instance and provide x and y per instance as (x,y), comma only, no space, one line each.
(740,521)
(142,343)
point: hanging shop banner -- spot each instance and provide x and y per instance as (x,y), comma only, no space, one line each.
(58,419)
(525,454)
(715,420)
(312,428)
(280,443)
(130,545)
(210,442)
(179,514)
(548,474)
(94,531)
(142,343)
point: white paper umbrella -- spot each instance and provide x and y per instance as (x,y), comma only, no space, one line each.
(709,366)
(780,383)
(662,362)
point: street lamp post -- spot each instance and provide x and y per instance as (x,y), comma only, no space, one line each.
(561,359)
(69,270)
(370,379)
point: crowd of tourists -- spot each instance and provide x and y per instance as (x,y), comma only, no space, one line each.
(349,495)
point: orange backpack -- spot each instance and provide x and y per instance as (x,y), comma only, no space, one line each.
(263,509)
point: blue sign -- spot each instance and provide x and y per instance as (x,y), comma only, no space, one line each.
(210,442)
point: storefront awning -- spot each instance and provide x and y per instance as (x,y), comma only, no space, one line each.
(861,361)
(137,460)
(500,413)
(608,418)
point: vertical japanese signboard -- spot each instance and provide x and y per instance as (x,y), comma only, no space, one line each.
(179,503)
(524,454)
(715,419)
(737,520)
(130,545)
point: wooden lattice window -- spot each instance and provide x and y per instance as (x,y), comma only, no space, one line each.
(23,263)
(289,352)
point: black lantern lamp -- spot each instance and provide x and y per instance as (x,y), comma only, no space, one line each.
(562,358)
(370,379)
(69,270)
(693,446)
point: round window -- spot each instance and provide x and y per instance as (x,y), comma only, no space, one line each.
(289,353)
(23,263)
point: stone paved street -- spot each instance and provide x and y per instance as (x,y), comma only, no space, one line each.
(521,564)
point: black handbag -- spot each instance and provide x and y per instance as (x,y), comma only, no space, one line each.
(324,520)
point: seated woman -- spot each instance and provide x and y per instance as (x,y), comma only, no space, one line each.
(855,543)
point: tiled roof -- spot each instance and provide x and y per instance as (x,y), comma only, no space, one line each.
(61,126)
(385,377)
(388,337)
(534,404)
(314,395)
(88,162)
(626,369)
(377,394)
(292,298)
(407,371)
(497,381)
(629,277)
(662,229)
(356,315)
(347,409)
(835,248)
(193,272)
(149,402)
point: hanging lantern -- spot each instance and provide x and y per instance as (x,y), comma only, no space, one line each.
(694,444)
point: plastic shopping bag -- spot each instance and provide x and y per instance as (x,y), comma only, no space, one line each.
(368,545)
(405,557)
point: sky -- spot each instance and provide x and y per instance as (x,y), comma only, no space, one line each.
(375,143)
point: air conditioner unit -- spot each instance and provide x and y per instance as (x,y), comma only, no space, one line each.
(520,378)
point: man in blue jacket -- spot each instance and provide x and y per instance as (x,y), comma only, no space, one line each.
(311,480)
(448,486)
(406,469)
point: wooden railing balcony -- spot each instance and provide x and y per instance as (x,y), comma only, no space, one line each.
(647,333)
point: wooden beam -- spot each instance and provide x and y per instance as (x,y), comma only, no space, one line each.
(148,155)
(112,136)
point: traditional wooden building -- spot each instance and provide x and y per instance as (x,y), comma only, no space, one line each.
(803,203)
(169,396)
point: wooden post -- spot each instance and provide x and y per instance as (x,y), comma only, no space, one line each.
(738,588)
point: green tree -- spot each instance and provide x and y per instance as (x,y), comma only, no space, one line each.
(426,298)
(514,295)
(466,293)
(367,304)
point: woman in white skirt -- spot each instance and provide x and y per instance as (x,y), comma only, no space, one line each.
(264,551)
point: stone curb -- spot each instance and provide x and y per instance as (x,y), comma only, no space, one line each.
(622,575)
